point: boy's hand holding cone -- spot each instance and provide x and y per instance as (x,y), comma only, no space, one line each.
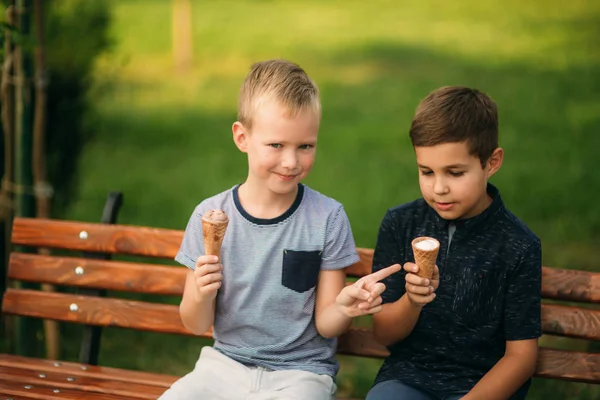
(208,273)
(423,278)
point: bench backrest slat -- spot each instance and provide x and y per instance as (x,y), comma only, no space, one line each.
(568,365)
(571,285)
(96,311)
(559,284)
(556,320)
(98,274)
(571,322)
(164,318)
(95,237)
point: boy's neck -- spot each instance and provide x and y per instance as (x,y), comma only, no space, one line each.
(482,205)
(262,203)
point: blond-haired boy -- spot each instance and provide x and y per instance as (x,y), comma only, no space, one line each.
(277,297)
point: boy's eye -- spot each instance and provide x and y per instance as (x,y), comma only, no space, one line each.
(423,172)
(275,145)
(454,173)
(305,146)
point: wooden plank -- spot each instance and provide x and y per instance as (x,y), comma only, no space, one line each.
(557,284)
(43,392)
(140,315)
(360,342)
(90,371)
(363,267)
(101,274)
(571,322)
(95,311)
(570,285)
(61,381)
(94,237)
(568,365)
(8,396)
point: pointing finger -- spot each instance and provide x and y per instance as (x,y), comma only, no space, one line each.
(384,273)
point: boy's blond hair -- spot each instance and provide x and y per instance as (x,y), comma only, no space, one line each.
(279,80)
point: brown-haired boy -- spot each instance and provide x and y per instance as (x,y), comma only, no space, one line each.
(476,338)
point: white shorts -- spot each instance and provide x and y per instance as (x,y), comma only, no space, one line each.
(218,377)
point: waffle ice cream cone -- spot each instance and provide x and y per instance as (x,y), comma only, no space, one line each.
(425,250)
(214,224)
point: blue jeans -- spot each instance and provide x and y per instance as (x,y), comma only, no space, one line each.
(396,390)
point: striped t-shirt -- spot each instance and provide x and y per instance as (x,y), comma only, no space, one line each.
(265,307)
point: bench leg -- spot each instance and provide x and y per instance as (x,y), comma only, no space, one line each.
(90,344)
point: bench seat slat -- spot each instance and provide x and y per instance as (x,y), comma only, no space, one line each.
(46,392)
(100,274)
(61,380)
(105,375)
(91,371)
(102,238)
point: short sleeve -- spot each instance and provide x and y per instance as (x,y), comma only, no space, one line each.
(339,250)
(522,315)
(389,252)
(192,245)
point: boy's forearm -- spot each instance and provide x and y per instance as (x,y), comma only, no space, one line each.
(396,321)
(504,379)
(197,316)
(331,322)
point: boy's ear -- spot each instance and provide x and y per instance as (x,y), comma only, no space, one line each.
(240,136)
(495,162)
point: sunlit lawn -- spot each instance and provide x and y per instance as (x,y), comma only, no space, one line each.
(165,141)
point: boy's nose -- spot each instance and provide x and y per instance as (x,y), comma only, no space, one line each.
(289,160)
(439,187)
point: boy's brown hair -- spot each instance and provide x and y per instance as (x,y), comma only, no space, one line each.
(279,80)
(457,114)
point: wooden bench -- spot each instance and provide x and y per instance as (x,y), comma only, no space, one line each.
(29,378)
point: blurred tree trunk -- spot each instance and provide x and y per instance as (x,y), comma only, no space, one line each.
(6,198)
(42,189)
(182,35)
(27,328)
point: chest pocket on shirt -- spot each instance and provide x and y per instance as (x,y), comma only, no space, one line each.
(300,269)
(478,295)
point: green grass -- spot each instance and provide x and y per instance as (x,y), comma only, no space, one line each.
(165,139)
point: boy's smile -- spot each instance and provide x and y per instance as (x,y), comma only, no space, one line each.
(286,177)
(452,181)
